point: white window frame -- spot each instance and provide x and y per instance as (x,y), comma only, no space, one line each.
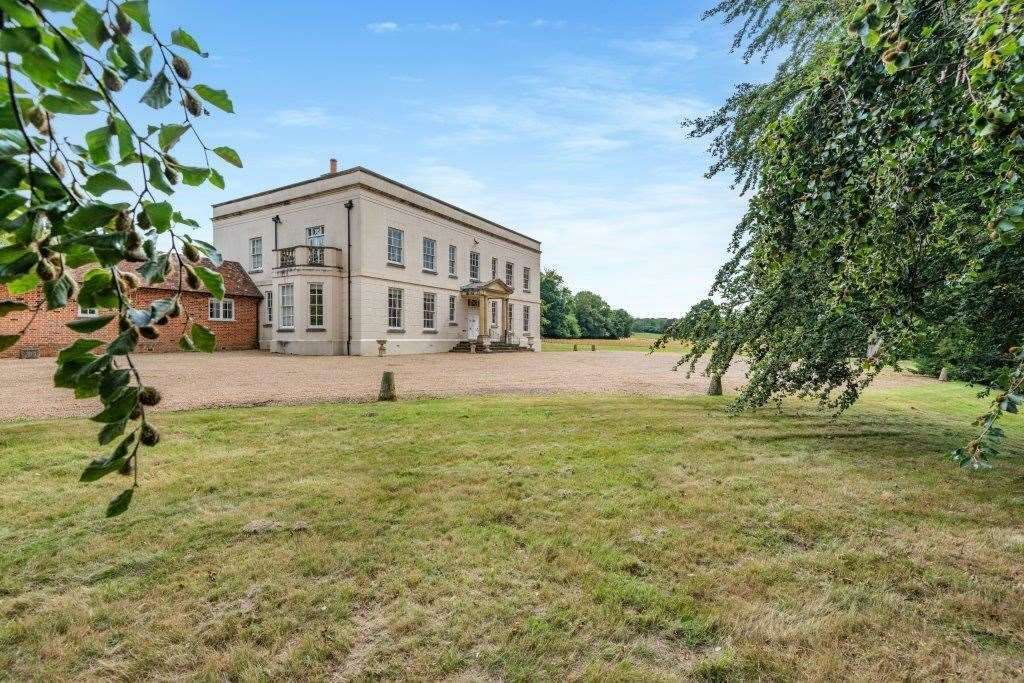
(510,273)
(396,245)
(453,260)
(526,278)
(494,267)
(316,239)
(256,254)
(395,312)
(474,266)
(451,308)
(287,297)
(430,255)
(269,299)
(216,310)
(526,318)
(88,312)
(494,312)
(319,294)
(429,311)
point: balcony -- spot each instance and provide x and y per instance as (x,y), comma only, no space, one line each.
(304,256)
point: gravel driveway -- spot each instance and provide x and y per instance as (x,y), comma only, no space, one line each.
(240,378)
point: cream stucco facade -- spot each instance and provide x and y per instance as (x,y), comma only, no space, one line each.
(329,247)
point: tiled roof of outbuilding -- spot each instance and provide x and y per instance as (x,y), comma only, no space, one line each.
(236,281)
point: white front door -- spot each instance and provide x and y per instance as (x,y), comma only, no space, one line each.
(473,323)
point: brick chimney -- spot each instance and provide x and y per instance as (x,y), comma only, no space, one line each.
(334,165)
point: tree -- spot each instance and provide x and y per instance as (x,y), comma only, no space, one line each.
(652,325)
(594,315)
(558,308)
(621,324)
(68,65)
(883,165)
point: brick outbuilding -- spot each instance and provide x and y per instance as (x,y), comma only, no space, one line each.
(235,321)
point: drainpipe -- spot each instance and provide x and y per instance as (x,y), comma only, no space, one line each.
(348,305)
(277,222)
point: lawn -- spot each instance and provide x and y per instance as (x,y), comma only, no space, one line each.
(520,538)
(640,341)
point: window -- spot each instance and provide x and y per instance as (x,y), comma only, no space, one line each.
(256,253)
(509,269)
(526,279)
(270,305)
(288,306)
(494,313)
(222,310)
(508,311)
(429,310)
(474,266)
(394,308)
(316,304)
(451,309)
(526,318)
(452,254)
(315,242)
(395,245)
(429,250)
(494,268)
(87,312)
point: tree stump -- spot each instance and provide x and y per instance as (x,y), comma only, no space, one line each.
(943,375)
(715,387)
(387,387)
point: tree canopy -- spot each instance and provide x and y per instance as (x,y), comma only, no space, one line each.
(558,307)
(101,198)
(883,164)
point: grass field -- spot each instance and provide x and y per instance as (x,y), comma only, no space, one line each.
(640,341)
(520,538)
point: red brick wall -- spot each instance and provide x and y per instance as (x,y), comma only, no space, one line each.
(49,332)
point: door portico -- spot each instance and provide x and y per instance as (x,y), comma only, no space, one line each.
(483,293)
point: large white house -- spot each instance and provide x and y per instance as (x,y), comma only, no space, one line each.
(351,258)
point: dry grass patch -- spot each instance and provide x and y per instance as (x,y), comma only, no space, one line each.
(519,538)
(639,341)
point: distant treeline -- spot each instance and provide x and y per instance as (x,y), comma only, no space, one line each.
(655,325)
(584,315)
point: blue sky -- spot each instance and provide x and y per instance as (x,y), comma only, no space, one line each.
(559,119)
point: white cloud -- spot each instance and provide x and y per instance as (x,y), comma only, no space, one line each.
(547,23)
(382,27)
(308,117)
(446,182)
(451,26)
(667,49)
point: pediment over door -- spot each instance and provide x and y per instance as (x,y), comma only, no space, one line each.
(495,289)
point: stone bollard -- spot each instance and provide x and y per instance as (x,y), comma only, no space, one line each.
(593,347)
(715,386)
(387,387)
(472,347)
(575,347)
(943,375)
(381,347)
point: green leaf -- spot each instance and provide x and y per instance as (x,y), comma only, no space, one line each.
(8,340)
(58,5)
(212,280)
(111,431)
(181,38)
(90,216)
(170,134)
(82,348)
(24,284)
(19,39)
(210,251)
(193,175)
(123,343)
(104,182)
(101,467)
(218,98)
(113,382)
(125,140)
(139,11)
(156,176)
(120,408)
(77,91)
(121,503)
(159,214)
(11,307)
(216,179)
(57,291)
(158,95)
(66,105)
(87,325)
(89,23)
(69,60)
(41,68)
(98,143)
(229,155)
(203,339)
